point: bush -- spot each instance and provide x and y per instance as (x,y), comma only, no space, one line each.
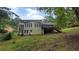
(6,36)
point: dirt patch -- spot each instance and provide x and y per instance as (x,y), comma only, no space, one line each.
(72,41)
(65,42)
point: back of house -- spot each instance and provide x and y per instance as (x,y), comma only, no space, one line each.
(29,27)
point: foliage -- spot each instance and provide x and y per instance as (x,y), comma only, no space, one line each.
(4,13)
(76,10)
(6,36)
(14,22)
(49,18)
(64,16)
(6,16)
(49,11)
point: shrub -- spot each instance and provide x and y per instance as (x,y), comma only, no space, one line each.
(6,36)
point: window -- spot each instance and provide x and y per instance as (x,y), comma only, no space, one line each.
(30,30)
(27,31)
(24,31)
(27,24)
(30,24)
(36,25)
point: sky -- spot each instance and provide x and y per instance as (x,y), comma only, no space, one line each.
(28,13)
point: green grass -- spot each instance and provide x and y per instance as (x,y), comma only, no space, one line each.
(37,42)
(74,29)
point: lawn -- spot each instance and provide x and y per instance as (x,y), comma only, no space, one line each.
(48,42)
(74,29)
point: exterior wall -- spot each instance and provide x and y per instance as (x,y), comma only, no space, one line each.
(34,29)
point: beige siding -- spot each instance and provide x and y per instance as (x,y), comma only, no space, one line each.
(34,29)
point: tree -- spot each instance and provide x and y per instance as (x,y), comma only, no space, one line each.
(5,16)
(64,15)
(48,11)
(76,10)
(15,22)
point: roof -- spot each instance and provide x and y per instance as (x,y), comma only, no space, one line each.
(47,23)
(30,20)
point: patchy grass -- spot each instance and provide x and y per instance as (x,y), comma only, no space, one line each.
(49,42)
(38,42)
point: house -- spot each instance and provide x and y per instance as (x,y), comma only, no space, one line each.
(29,27)
(32,27)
